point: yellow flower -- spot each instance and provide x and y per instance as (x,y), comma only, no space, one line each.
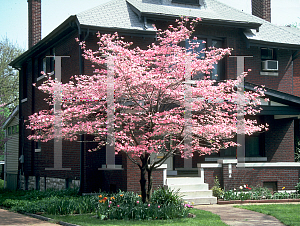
(283,188)
(100,196)
(111,198)
(140,196)
(121,195)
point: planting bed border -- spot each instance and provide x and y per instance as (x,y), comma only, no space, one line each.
(221,202)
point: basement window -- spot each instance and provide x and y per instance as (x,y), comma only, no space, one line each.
(187,2)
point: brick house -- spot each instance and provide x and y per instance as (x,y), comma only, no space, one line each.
(275,63)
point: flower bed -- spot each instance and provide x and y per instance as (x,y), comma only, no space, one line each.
(165,204)
(249,194)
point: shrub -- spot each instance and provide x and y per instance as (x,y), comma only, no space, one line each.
(216,189)
(1,184)
(165,204)
(163,196)
(298,187)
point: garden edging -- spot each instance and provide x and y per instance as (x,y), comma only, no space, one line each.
(221,202)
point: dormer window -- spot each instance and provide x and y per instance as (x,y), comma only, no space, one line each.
(187,2)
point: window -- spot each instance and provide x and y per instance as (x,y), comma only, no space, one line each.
(52,62)
(218,73)
(38,145)
(269,61)
(13,130)
(267,54)
(187,2)
(253,145)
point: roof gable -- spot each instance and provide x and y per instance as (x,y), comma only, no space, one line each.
(11,117)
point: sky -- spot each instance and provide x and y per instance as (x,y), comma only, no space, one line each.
(14,20)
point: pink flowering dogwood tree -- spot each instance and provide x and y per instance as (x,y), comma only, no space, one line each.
(151,90)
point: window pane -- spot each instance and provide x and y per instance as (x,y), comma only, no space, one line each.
(267,54)
(252,146)
(218,72)
(44,66)
(9,130)
(202,45)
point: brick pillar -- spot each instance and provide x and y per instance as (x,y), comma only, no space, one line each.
(262,9)
(34,22)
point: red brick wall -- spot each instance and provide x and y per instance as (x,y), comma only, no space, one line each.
(279,140)
(296,76)
(285,177)
(210,174)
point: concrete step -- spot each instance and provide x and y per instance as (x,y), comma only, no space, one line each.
(188,187)
(201,200)
(192,194)
(192,190)
(183,180)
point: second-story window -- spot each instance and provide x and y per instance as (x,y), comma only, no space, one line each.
(218,73)
(269,59)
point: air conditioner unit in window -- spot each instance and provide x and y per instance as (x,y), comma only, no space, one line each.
(270,65)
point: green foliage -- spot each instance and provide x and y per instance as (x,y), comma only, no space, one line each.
(298,187)
(297,149)
(288,214)
(216,189)
(257,193)
(165,204)
(4,113)
(9,78)
(164,196)
(1,184)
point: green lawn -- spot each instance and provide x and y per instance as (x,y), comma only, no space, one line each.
(288,214)
(202,218)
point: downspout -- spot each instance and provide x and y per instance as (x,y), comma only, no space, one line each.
(292,77)
(5,160)
(145,23)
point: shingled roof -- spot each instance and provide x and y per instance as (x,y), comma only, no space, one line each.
(128,14)
(136,16)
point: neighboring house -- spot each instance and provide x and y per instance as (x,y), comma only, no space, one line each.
(11,151)
(274,61)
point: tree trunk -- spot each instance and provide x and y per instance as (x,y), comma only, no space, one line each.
(149,191)
(143,182)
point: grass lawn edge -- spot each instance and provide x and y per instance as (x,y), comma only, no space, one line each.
(203,217)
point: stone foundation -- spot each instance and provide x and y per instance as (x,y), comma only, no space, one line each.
(42,183)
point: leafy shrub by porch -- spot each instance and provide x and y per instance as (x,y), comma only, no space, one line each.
(165,204)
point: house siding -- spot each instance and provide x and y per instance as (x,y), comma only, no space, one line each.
(12,157)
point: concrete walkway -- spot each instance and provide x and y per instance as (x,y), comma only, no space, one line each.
(15,219)
(236,216)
